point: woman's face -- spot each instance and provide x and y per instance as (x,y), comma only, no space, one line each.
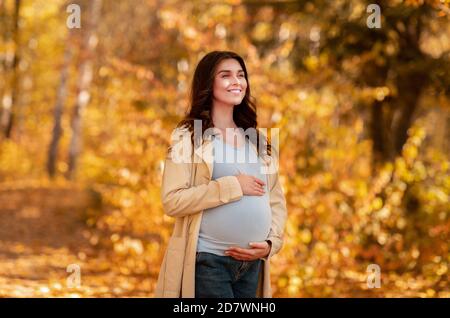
(229,82)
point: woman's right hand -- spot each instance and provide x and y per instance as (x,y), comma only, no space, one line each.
(251,185)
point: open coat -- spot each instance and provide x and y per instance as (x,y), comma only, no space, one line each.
(188,189)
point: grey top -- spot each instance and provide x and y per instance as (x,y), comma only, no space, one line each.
(240,222)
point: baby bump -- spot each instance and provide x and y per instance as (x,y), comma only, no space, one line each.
(239,222)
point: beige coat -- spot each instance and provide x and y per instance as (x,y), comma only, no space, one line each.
(187,189)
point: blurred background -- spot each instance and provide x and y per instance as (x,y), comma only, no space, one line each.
(363,106)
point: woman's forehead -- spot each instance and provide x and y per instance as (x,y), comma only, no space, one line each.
(229,65)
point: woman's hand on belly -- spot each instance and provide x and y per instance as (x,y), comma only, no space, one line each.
(251,185)
(257,250)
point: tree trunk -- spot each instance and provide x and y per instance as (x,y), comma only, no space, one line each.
(391,119)
(9,100)
(379,143)
(58,111)
(85,78)
(410,90)
(3,37)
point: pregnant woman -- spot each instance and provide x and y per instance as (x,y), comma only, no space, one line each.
(228,204)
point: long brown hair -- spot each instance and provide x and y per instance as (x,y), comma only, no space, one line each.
(201,98)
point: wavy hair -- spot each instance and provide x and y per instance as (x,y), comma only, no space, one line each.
(201,99)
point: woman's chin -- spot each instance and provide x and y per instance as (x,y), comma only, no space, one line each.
(232,101)
(236,101)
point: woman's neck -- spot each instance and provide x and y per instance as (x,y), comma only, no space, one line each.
(222,116)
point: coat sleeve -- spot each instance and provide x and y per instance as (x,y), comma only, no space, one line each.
(180,199)
(279,215)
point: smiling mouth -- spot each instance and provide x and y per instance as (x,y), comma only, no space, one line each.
(235,90)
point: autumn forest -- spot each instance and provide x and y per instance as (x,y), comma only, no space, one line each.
(90,91)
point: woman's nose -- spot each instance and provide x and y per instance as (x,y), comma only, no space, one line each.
(236,80)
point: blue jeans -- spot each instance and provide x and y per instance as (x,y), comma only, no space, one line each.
(225,277)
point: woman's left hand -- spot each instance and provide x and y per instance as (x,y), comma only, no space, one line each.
(257,250)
